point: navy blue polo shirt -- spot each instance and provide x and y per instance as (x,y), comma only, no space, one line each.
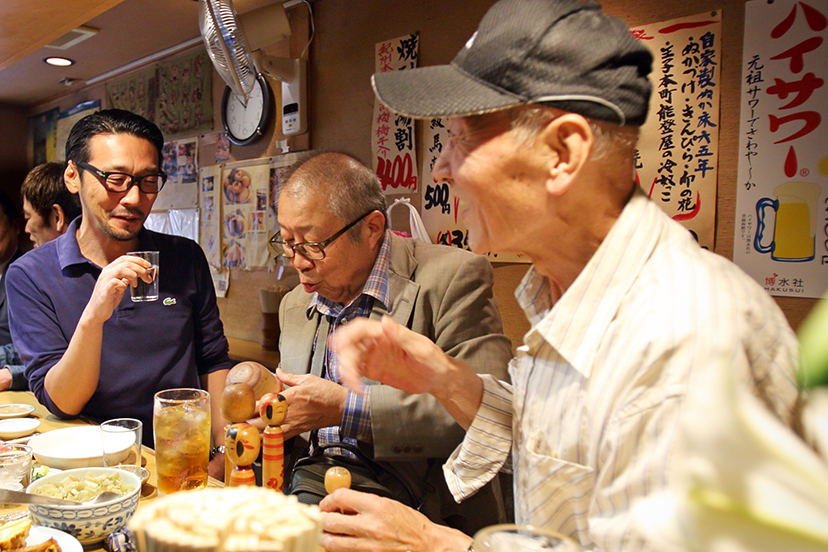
(147,347)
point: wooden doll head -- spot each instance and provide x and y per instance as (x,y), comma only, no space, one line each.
(273,409)
(242,444)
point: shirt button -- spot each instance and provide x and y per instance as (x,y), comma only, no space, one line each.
(406,448)
(418,449)
(397,449)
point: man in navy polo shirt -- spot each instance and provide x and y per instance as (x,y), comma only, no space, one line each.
(88,349)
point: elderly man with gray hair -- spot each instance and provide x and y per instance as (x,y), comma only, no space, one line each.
(333,229)
(543,103)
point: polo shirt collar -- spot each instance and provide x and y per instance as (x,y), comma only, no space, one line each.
(575,325)
(69,252)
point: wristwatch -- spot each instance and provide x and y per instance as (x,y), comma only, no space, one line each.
(216,450)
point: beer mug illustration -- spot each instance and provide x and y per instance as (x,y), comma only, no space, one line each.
(794,229)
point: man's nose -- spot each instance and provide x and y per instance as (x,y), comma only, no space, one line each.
(132,195)
(300,262)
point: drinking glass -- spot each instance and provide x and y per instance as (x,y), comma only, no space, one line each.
(181,422)
(15,466)
(121,442)
(146,291)
(521,538)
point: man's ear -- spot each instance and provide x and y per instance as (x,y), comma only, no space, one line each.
(57,219)
(375,225)
(71,177)
(569,141)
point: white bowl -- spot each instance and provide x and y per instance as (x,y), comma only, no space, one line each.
(15,410)
(93,523)
(18,427)
(75,447)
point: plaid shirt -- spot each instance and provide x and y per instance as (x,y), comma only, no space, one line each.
(356,421)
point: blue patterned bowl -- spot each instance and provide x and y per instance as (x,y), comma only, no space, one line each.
(93,523)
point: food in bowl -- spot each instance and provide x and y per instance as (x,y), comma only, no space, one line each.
(86,489)
(232,519)
(89,523)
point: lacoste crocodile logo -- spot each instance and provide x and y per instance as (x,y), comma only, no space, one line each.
(169,301)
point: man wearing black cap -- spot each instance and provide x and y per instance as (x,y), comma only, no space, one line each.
(544,104)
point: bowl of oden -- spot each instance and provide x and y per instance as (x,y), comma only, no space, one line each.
(89,523)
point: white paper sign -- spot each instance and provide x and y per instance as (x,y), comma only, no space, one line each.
(781,235)
(393,144)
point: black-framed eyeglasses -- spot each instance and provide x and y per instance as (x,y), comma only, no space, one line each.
(314,251)
(118,182)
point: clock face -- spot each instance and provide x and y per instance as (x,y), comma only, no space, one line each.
(245,123)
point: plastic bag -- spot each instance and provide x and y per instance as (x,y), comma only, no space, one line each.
(418,230)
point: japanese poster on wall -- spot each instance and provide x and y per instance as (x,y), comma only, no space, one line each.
(677,158)
(180,162)
(244,193)
(209,204)
(176,95)
(66,120)
(393,148)
(42,134)
(781,238)
(441,208)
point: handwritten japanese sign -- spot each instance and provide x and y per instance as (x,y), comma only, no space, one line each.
(393,147)
(679,146)
(781,233)
(441,207)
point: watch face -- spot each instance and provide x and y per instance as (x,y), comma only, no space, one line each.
(243,121)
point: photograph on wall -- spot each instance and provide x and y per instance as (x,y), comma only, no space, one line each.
(222,148)
(678,150)
(244,196)
(441,209)
(179,160)
(393,143)
(780,235)
(209,204)
(42,137)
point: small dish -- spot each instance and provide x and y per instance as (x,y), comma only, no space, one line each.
(67,542)
(142,473)
(18,427)
(15,410)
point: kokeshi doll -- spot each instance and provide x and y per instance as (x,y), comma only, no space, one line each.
(273,410)
(259,378)
(242,444)
(237,405)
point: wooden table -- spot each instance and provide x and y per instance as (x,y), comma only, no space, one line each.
(241,350)
(49,421)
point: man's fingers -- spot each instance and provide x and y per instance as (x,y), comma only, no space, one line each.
(349,502)
(290,380)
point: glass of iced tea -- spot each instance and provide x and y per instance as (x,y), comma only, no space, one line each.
(181,423)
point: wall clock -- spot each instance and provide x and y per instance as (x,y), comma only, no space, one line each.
(246,123)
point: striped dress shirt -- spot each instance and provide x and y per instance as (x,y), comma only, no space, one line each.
(597,386)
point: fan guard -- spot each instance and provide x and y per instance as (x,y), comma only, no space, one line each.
(226,45)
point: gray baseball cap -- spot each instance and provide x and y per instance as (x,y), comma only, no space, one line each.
(561,53)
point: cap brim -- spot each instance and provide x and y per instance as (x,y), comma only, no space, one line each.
(439,91)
